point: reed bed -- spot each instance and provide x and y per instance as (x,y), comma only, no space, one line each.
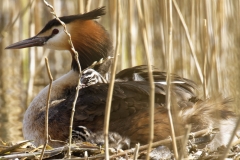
(204,47)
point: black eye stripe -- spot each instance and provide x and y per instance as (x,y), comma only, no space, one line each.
(54,32)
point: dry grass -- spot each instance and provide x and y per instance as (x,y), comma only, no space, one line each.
(216,45)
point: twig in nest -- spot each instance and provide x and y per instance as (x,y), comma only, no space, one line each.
(55,151)
(136,151)
(47,107)
(9,149)
(48,153)
(185,140)
(54,140)
(80,73)
(165,141)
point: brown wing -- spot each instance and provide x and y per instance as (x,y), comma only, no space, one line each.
(130,100)
(183,88)
(129,112)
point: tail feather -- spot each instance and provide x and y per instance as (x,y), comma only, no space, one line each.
(207,113)
(216,113)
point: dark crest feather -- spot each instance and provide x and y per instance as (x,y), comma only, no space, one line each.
(94,14)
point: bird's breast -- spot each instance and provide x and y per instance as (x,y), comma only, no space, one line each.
(34,117)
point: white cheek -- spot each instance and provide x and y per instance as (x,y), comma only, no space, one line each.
(58,42)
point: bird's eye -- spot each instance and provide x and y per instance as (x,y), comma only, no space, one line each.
(55,31)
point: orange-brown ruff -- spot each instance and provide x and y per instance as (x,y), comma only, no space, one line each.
(130,104)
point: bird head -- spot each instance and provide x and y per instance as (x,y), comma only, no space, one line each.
(89,38)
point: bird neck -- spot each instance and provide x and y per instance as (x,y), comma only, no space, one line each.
(59,88)
(92,42)
(33,121)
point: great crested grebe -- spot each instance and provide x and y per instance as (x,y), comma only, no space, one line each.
(129,114)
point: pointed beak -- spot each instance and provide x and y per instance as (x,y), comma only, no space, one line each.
(30,42)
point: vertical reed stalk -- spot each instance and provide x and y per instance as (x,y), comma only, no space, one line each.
(189,41)
(169,70)
(205,90)
(151,81)
(80,74)
(112,80)
(47,106)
